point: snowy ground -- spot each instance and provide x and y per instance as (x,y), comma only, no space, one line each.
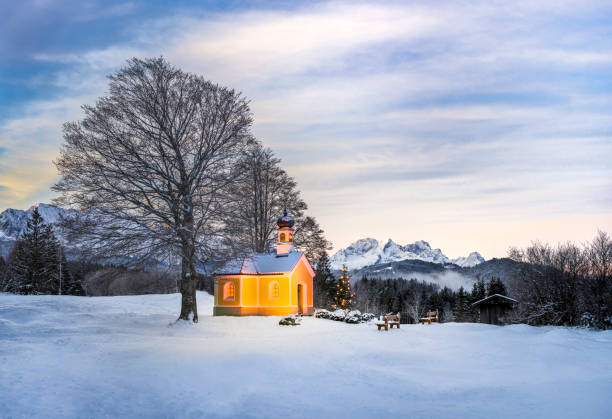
(117,357)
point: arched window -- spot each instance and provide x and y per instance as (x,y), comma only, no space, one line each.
(274,290)
(282,237)
(228,291)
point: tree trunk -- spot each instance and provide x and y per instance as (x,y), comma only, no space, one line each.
(188,279)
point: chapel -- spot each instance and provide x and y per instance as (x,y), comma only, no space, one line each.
(267,284)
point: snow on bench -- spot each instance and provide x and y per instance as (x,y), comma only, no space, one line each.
(432,316)
(389,321)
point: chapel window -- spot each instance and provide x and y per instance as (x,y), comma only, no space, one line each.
(275,290)
(229,291)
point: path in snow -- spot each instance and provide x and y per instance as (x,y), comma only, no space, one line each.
(63,356)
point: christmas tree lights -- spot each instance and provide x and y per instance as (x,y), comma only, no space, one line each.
(344,297)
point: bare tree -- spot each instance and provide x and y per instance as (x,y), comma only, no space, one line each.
(566,284)
(599,298)
(415,306)
(150,164)
(600,256)
(264,191)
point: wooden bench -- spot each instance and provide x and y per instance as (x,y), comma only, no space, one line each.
(389,321)
(432,316)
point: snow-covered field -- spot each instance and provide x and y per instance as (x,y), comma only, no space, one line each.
(117,357)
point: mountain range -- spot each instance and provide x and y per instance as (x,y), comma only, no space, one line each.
(369,252)
(13,223)
(366,257)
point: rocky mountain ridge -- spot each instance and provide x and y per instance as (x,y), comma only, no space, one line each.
(13,223)
(369,251)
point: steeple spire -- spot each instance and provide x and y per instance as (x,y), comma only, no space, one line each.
(284,244)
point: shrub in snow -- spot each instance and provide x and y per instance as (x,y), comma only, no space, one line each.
(338,315)
(366,317)
(587,320)
(321,313)
(353,316)
(289,321)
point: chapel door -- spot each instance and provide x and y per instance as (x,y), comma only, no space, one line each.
(299,297)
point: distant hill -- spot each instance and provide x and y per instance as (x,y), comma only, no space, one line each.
(449,274)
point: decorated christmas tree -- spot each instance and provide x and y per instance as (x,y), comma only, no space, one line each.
(344,297)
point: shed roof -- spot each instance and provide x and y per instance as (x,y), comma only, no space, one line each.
(493,297)
(261,263)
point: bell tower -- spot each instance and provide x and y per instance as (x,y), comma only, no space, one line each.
(284,243)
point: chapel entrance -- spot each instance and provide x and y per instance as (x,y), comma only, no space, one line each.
(300,292)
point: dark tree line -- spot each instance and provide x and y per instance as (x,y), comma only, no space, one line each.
(568,284)
(411,297)
(415,298)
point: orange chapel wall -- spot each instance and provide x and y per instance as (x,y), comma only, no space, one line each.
(265,295)
(253,294)
(249,293)
(301,274)
(220,287)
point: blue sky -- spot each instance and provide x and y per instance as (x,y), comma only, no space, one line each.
(472,125)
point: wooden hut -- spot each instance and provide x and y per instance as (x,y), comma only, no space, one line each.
(494,308)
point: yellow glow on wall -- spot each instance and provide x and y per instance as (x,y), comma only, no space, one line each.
(266,294)
(229,291)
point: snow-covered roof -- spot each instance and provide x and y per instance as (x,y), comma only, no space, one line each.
(261,263)
(503,297)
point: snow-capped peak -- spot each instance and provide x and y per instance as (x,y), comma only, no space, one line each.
(369,251)
(13,222)
(358,254)
(473,259)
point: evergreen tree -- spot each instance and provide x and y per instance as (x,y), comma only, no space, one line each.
(34,263)
(3,273)
(479,290)
(496,286)
(478,293)
(462,309)
(344,296)
(324,282)
(71,281)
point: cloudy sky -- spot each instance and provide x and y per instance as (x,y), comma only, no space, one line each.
(472,125)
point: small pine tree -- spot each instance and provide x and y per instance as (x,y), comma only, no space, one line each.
(478,293)
(462,309)
(496,286)
(71,281)
(324,282)
(344,297)
(3,273)
(34,263)
(479,290)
